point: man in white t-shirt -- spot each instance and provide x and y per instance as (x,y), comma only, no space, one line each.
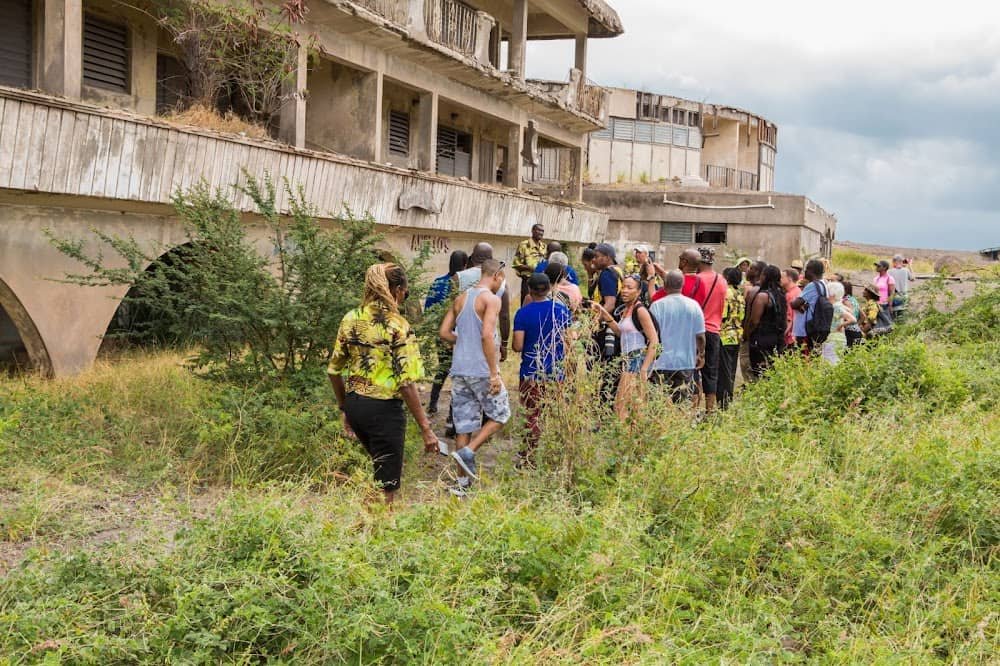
(682,337)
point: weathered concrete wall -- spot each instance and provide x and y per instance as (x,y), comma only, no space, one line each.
(749,157)
(722,150)
(344,106)
(143,37)
(778,235)
(622,104)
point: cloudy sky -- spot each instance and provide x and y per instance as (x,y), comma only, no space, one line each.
(888,112)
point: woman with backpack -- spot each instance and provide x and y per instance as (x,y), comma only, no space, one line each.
(639,339)
(764,329)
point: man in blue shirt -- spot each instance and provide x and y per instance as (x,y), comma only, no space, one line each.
(805,305)
(682,337)
(554,254)
(539,330)
(441,289)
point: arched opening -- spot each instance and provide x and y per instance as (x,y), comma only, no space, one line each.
(21,345)
(139,322)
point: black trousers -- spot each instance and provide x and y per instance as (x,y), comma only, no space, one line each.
(381,428)
(728,360)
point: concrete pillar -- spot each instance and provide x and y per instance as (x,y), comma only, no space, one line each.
(62,48)
(575,189)
(427,124)
(368,117)
(484,29)
(292,121)
(519,39)
(512,173)
(417,22)
(580,61)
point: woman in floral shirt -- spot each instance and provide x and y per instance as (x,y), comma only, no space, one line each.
(731,334)
(374,369)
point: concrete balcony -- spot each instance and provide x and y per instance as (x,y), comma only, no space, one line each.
(459,41)
(52,146)
(578,93)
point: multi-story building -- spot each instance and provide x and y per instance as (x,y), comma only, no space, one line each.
(417,111)
(673,173)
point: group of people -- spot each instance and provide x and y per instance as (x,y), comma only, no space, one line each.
(689,329)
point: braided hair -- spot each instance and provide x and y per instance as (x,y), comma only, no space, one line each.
(380,281)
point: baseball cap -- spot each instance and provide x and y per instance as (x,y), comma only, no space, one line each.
(642,247)
(539,282)
(882,264)
(608,250)
(707,255)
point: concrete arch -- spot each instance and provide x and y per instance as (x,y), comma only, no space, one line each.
(30,337)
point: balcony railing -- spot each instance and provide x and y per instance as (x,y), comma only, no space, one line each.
(728,177)
(592,100)
(396,11)
(453,24)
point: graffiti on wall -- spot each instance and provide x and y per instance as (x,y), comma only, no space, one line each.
(438,244)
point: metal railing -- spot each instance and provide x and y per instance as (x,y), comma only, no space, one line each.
(728,177)
(396,11)
(592,100)
(451,23)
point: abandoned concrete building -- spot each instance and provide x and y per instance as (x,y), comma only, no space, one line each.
(673,173)
(417,111)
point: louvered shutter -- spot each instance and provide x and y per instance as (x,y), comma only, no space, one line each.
(675,232)
(399,133)
(15,43)
(446,150)
(624,130)
(643,132)
(105,54)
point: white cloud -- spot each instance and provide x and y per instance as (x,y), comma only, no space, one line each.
(886,110)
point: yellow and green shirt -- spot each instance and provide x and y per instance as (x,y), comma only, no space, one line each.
(529,254)
(732,317)
(376,353)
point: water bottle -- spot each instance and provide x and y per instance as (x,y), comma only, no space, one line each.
(609,342)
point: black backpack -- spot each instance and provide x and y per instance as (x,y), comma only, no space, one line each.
(620,310)
(818,325)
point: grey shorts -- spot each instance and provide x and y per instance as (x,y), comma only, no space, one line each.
(470,399)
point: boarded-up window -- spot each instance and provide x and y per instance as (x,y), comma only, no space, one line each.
(105,54)
(675,232)
(171,83)
(454,152)
(399,133)
(712,234)
(15,43)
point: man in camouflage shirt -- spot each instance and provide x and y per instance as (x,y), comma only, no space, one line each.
(529,253)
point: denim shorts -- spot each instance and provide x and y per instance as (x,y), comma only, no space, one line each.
(632,362)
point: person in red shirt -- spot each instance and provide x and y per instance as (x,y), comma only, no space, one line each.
(790,284)
(710,294)
(688,263)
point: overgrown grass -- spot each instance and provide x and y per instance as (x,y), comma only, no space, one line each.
(847,259)
(835,515)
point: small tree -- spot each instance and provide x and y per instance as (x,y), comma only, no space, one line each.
(250,316)
(239,54)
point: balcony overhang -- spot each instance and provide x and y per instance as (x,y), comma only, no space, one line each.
(604,21)
(411,42)
(54,150)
